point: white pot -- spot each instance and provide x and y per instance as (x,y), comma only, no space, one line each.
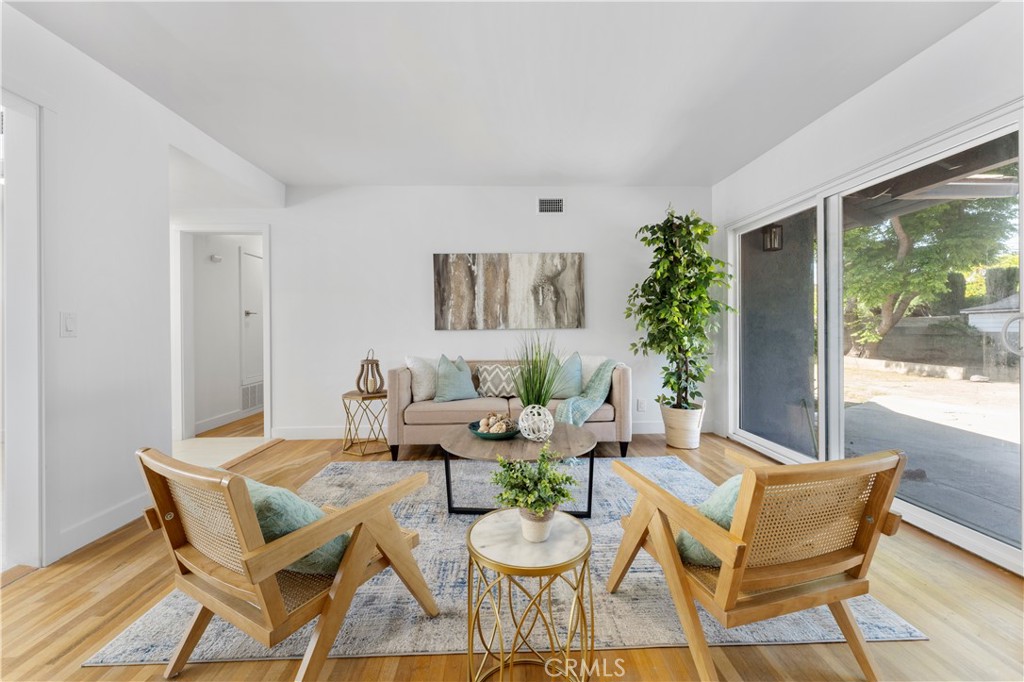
(536,423)
(682,427)
(536,528)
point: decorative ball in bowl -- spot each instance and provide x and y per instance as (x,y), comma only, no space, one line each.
(494,427)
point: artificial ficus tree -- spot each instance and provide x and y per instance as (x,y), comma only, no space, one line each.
(673,307)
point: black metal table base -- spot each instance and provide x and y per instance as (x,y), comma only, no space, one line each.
(453,509)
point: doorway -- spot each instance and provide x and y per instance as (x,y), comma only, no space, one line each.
(222,328)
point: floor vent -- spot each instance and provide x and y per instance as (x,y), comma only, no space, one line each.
(252,396)
(549,205)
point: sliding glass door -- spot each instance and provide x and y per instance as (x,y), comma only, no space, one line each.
(893,322)
(931,273)
(778,334)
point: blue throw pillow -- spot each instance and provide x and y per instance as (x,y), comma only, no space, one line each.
(280,511)
(454,381)
(570,378)
(719,507)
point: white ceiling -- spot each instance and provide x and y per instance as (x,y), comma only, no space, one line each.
(501,94)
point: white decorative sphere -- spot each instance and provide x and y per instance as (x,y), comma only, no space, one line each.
(536,423)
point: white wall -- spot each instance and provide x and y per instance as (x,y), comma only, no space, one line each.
(105,253)
(973,75)
(217,339)
(353,269)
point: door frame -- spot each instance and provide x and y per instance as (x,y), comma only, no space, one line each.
(25,479)
(181,426)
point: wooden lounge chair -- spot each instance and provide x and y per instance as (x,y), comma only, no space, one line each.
(221,560)
(802,536)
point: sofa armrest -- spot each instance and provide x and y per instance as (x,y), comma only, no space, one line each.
(399,398)
(621,398)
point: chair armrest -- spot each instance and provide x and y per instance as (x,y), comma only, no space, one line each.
(272,557)
(621,398)
(722,543)
(399,398)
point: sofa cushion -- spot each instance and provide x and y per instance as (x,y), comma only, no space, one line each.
(570,378)
(454,381)
(424,377)
(590,364)
(605,413)
(496,381)
(455,412)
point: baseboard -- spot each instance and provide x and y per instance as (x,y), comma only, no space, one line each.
(338,432)
(226,418)
(96,526)
(649,427)
(308,432)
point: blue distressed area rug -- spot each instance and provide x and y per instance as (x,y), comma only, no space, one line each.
(386,621)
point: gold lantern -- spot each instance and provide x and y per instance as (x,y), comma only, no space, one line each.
(370,380)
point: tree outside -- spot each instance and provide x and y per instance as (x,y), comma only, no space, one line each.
(905,262)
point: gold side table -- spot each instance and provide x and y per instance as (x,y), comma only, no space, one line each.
(369,409)
(524,589)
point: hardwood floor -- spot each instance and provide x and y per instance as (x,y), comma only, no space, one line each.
(54,618)
(246,427)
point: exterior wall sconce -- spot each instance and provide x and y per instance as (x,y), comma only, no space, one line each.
(771,237)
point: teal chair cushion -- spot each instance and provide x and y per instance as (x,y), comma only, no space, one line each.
(719,507)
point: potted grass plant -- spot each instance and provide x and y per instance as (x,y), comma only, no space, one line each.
(536,378)
(676,316)
(535,488)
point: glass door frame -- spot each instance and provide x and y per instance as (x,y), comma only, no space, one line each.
(734,334)
(827,199)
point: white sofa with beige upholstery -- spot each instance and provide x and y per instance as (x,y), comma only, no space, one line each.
(424,422)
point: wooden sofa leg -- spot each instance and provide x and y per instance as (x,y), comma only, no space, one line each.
(394,453)
(623,446)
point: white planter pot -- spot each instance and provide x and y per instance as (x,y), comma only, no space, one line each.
(536,528)
(536,423)
(682,427)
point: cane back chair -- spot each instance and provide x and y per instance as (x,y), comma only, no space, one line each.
(802,536)
(222,561)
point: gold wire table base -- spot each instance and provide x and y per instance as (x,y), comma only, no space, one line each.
(368,409)
(496,593)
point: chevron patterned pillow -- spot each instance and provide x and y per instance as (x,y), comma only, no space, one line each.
(496,381)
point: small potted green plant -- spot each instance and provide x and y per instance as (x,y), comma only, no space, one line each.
(536,379)
(535,488)
(676,317)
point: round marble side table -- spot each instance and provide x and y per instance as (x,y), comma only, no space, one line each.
(522,588)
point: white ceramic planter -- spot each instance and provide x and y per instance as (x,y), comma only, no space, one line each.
(682,427)
(536,528)
(536,423)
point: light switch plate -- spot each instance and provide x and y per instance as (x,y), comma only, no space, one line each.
(68,325)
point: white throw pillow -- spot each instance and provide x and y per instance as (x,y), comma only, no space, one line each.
(424,377)
(590,365)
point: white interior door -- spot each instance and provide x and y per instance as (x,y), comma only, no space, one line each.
(251,274)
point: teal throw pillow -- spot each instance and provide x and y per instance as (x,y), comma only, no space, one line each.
(570,378)
(454,381)
(280,511)
(719,507)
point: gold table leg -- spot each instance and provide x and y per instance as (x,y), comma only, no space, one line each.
(560,660)
(371,412)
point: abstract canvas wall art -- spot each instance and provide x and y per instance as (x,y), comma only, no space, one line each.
(508,291)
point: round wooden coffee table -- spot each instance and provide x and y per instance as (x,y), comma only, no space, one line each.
(567,440)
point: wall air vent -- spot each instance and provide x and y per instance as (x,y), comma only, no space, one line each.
(549,205)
